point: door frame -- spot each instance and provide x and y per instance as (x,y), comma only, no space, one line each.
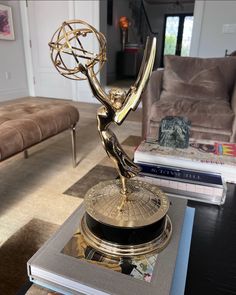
(74,13)
(199,9)
(27,45)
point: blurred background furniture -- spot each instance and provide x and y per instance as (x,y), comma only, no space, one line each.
(203,90)
(128,62)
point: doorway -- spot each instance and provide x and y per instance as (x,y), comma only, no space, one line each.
(177,35)
(39,24)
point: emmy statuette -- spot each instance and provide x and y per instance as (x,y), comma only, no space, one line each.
(124,217)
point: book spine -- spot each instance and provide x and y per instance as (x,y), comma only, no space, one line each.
(180,174)
(145,156)
(186,163)
(204,193)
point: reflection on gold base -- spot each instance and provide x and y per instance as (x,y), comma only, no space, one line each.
(114,249)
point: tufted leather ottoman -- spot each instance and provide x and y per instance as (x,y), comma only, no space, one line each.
(23,125)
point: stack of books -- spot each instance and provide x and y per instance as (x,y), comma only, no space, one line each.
(198,172)
(66,264)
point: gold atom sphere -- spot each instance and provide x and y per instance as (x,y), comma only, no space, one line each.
(68,49)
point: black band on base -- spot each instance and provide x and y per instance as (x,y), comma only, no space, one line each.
(125,236)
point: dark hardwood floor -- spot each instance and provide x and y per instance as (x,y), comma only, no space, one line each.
(212,260)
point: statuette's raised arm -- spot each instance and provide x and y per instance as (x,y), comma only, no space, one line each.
(95,85)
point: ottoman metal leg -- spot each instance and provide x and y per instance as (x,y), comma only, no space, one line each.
(73,141)
(26,155)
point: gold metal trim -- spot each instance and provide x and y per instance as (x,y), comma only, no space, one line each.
(113,249)
(73,145)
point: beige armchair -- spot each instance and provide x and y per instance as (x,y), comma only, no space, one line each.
(202,90)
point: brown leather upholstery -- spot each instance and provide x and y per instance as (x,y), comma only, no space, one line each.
(212,117)
(23,125)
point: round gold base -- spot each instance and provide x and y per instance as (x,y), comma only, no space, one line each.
(142,205)
(115,249)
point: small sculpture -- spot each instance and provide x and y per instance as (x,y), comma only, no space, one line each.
(174,132)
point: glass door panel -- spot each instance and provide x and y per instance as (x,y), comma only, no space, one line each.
(187,34)
(171,34)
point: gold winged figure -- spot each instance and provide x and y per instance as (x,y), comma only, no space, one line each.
(116,105)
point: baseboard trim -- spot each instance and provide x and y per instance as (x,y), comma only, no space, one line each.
(8,94)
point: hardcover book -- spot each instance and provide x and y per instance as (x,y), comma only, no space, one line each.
(68,265)
(196,185)
(202,156)
(225,149)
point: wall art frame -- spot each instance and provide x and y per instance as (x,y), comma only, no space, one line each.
(6,23)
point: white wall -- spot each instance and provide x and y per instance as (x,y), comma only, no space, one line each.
(120,8)
(12,60)
(208,37)
(156,14)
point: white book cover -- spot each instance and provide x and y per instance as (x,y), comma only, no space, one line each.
(198,156)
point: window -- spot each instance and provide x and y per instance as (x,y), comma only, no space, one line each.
(177,34)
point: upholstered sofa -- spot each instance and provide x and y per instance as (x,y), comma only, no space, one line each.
(24,124)
(203,90)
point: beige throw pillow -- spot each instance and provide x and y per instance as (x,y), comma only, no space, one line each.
(191,79)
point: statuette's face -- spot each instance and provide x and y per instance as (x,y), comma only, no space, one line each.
(117,97)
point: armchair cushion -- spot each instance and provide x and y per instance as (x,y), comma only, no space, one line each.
(211,118)
(193,79)
(201,113)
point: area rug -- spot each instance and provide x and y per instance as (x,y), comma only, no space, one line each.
(93,177)
(103,171)
(17,250)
